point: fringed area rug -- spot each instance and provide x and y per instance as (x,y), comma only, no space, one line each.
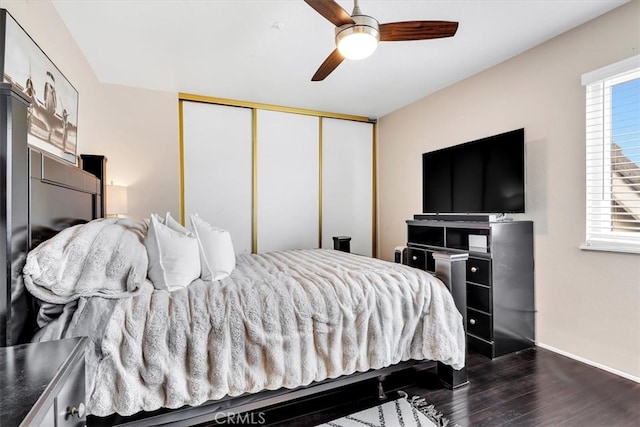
(403,412)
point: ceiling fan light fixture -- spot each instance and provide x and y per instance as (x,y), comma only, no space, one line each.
(357,35)
(359,40)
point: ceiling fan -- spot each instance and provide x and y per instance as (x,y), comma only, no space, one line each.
(357,35)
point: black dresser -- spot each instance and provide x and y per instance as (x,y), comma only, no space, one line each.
(43,384)
(500,312)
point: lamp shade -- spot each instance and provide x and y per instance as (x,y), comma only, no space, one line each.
(116,200)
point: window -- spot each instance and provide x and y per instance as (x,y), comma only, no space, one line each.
(613,157)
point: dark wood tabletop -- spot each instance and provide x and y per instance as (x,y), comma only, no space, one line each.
(32,374)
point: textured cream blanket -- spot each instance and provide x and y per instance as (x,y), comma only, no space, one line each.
(282,319)
(104,258)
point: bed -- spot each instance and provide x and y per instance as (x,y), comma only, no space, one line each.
(289,320)
(175,358)
(282,319)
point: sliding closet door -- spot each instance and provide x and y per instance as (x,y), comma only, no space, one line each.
(217,147)
(347,183)
(288,181)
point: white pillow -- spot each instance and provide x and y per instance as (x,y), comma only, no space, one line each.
(148,220)
(174,257)
(217,257)
(175,225)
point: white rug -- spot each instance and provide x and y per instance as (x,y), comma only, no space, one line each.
(403,412)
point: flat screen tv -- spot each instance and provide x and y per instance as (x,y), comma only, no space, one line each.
(482,176)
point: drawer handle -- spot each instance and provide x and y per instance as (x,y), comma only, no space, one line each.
(415,258)
(472,321)
(80,411)
(474,269)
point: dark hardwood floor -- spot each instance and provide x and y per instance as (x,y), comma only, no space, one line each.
(531,388)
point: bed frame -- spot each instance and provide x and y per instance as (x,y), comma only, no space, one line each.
(43,195)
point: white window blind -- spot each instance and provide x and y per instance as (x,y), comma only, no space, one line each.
(613,156)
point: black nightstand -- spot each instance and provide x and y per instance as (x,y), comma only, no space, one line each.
(97,165)
(342,243)
(43,384)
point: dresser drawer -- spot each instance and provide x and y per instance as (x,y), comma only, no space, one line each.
(481,346)
(417,258)
(479,297)
(479,271)
(70,402)
(479,324)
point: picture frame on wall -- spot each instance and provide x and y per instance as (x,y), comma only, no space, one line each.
(52,119)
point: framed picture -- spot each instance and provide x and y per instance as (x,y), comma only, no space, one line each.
(53,115)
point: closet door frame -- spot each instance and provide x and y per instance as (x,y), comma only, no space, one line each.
(182,97)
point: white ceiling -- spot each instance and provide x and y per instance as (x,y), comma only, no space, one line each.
(267,50)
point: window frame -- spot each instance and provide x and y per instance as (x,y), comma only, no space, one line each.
(598,85)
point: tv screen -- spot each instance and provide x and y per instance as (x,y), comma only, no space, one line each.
(482,176)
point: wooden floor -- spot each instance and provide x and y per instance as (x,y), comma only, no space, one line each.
(530,388)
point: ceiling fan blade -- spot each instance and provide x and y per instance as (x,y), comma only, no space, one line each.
(327,67)
(417,30)
(332,11)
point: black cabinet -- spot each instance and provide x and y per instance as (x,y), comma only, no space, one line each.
(43,384)
(500,308)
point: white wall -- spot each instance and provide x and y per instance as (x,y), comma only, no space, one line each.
(588,303)
(137,129)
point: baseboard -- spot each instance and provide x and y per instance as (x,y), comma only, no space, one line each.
(590,362)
